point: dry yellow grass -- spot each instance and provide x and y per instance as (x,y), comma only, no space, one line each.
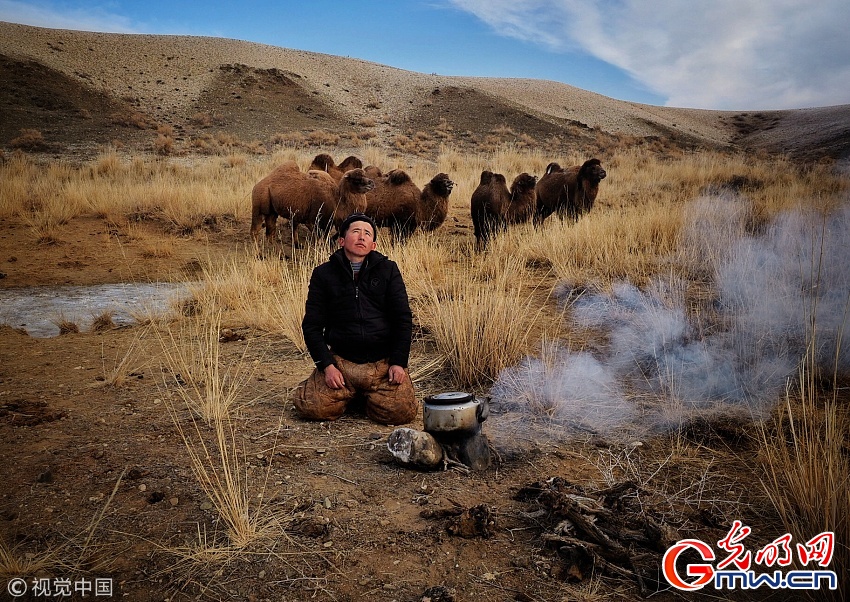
(79,554)
(196,379)
(481,319)
(267,294)
(804,456)
(477,313)
(192,355)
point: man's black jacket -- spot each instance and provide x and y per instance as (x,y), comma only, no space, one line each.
(362,321)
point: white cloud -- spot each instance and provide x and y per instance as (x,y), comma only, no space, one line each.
(719,54)
(92,18)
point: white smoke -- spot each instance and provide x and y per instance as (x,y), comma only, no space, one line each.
(771,293)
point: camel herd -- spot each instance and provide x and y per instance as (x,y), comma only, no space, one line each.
(327,193)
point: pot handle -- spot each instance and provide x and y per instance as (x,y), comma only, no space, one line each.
(483,410)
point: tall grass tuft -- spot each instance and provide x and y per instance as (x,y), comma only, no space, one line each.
(481,322)
(221,471)
(807,470)
(264,294)
(807,467)
(195,369)
(211,393)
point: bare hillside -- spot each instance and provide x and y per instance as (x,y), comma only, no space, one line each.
(84,89)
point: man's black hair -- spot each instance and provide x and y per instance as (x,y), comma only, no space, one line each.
(358,217)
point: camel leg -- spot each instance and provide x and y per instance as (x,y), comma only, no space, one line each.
(293,235)
(271,230)
(256,224)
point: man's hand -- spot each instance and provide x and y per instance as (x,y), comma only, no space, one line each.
(333,377)
(396,374)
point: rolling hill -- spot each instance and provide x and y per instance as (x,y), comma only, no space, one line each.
(83,90)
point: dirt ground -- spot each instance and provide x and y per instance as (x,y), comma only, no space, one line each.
(98,476)
(96,480)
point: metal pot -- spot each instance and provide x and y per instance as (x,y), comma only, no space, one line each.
(454,411)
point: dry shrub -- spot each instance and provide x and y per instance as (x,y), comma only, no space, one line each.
(227,139)
(134,119)
(367,122)
(443,130)
(47,195)
(65,325)
(420,143)
(45,225)
(490,144)
(256,147)
(222,143)
(425,262)
(233,161)
(295,139)
(504,131)
(806,472)
(163,145)
(210,387)
(16,175)
(29,140)
(212,390)
(480,320)
(202,120)
(601,247)
(358,138)
(804,451)
(108,163)
(322,138)
(103,322)
(525,141)
(262,294)
(204,144)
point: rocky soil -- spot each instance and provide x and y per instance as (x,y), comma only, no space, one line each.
(83,90)
(96,478)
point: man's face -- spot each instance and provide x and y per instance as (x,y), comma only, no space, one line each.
(358,240)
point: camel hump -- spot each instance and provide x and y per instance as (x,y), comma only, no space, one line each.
(321,175)
(350,162)
(397,177)
(322,161)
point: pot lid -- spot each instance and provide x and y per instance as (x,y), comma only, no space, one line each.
(449,397)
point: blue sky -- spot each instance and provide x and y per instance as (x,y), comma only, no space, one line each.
(710,54)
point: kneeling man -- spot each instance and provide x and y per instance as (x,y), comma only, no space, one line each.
(358,328)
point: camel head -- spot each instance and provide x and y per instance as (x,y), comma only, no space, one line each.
(592,171)
(442,184)
(358,181)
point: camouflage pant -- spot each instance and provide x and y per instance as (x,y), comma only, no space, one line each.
(386,403)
